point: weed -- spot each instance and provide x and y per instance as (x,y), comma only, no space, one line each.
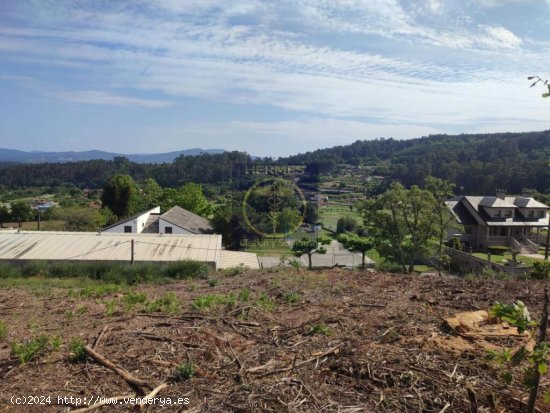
(98,291)
(81,309)
(76,350)
(212,282)
(320,329)
(110,307)
(244,295)
(233,271)
(291,297)
(132,299)
(56,343)
(265,302)
(69,314)
(3,330)
(207,301)
(168,303)
(28,351)
(185,371)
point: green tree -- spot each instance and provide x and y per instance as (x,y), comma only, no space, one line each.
(4,215)
(310,247)
(229,222)
(190,197)
(120,195)
(356,243)
(151,193)
(441,191)
(311,215)
(83,219)
(402,224)
(21,212)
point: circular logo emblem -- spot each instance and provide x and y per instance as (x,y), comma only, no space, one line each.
(273,207)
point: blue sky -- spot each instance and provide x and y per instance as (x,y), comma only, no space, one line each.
(268,77)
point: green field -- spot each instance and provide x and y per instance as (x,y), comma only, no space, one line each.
(329,216)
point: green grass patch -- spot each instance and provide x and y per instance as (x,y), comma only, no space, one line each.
(320,329)
(168,303)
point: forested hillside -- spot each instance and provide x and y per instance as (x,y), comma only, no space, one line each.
(478,163)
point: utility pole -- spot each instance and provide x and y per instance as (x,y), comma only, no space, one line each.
(38,220)
(132,252)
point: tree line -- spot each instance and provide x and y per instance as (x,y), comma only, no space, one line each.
(476,164)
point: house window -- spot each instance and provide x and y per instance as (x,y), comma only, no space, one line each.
(168,230)
(508,213)
(531,214)
(542,214)
(497,213)
(492,231)
(127,228)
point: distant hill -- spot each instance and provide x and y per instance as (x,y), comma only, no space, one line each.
(12,155)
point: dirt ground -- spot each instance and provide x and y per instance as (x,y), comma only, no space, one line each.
(284,341)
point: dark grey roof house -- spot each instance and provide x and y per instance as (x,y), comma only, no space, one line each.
(513,221)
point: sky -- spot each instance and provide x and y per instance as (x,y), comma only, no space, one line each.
(271,78)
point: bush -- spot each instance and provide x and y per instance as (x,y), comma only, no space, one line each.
(76,349)
(28,351)
(498,249)
(346,224)
(9,271)
(185,371)
(540,271)
(185,269)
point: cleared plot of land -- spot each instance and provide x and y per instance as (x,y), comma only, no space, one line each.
(286,341)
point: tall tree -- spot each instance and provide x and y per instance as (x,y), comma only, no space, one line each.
(120,195)
(4,215)
(228,221)
(21,212)
(151,193)
(401,222)
(357,243)
(441,191)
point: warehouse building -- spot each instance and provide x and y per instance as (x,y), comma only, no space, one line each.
(90,246)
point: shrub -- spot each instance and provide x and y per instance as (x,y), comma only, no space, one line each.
(28,351)
(133,299)
(9,271)
(185,269)
(540,271)
(346,224)
(76,350)
(185,371)
(498,249)
(232,271)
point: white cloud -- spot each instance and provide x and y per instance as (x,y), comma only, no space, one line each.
(95,97)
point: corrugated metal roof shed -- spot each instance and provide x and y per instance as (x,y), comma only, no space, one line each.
(90,246)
